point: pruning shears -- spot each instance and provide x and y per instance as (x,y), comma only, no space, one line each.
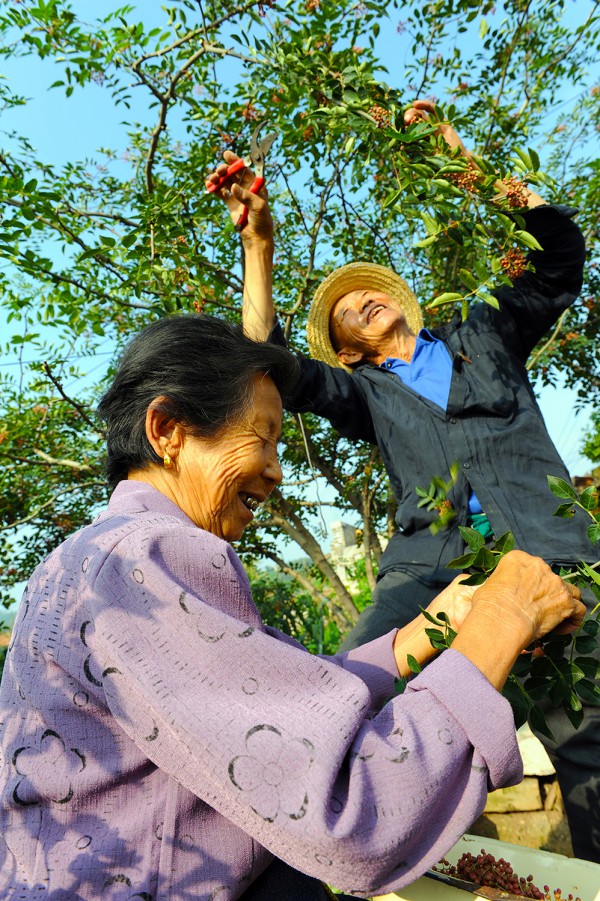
(254,160)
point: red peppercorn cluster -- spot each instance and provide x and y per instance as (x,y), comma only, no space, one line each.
(466,180)
(514,263)
(516,192)
(484,869)
(381,115)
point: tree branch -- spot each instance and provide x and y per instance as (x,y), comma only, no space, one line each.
(53,461)
(82,412)
(31,516)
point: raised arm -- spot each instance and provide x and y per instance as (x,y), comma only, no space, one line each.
(421,110)
(258,311)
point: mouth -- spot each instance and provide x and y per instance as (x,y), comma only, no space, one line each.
(375,309)
(250,501)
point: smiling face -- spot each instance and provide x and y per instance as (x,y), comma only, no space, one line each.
(220,481)
(362,322)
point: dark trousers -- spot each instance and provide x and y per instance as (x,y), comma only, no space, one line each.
(575,754)
(280,882)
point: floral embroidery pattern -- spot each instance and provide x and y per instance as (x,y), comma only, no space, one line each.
(272,773)
(51,763)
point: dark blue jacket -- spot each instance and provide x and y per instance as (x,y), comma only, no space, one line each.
(492,425)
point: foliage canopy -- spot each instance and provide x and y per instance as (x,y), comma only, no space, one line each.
(94,248)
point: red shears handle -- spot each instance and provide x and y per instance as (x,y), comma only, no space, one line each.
(254,189)
(231,171)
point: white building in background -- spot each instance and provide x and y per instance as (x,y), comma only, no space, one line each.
(345,551)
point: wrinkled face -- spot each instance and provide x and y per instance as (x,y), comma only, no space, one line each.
(223,479)
(360,319)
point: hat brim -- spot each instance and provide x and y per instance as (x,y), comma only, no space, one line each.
(355,277)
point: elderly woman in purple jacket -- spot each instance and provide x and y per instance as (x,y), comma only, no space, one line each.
(159,741)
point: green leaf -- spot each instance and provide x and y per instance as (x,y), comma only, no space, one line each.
(436,638)
(593,532)
(461,562)
(488,298)
(431,225)
(413,664)
(589,498)
(590,626)
(585,644)
(590,573)
(505,543)
(429,617)
(483,28)
(560,488)
(349,145)
(589,666)
(538,723)
(524,157)
(527,239)
(575,712)
(518,699)
(472,537)
(535,160)
(564,511)
(426,241)
(400,683)
(468,279)
(474,579)
(446,297)
(537,689)
(485,560)
(588,691)
(392,197)
(88,254)
(570,672)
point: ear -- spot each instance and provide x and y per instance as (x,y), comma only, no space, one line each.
(163,433)
(349,357)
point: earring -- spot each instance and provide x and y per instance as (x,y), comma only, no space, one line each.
(167,461)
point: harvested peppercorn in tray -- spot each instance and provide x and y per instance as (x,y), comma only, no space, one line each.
(485,870)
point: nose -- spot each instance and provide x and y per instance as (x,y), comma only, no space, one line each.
(272,471)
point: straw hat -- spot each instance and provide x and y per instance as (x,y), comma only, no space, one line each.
(355,277)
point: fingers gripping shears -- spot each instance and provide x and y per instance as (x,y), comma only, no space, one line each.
(254,160)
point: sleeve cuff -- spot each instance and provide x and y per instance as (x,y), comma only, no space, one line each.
(277,336)
(483,713)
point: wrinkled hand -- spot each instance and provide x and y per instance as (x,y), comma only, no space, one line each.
(419,112)
(454,601)
(236,196)
(524,590)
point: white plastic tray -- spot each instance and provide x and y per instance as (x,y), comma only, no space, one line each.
(580,877)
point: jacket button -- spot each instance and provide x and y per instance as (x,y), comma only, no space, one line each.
(466,465)
(453,421)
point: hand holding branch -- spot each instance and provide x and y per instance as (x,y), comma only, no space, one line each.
(420,112)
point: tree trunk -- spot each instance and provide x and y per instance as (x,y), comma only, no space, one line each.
(293,526)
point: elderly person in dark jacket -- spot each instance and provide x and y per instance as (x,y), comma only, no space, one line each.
(432,397)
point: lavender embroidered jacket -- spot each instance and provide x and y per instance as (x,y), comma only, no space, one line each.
(160,742)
